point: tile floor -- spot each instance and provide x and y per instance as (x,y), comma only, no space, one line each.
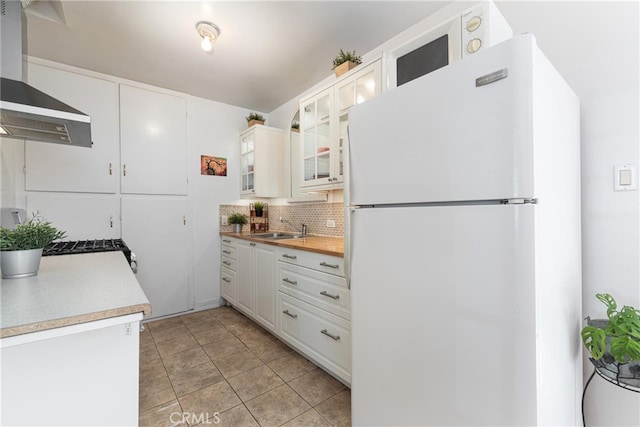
(217,367)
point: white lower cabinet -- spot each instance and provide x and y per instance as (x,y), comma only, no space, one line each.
(228,270)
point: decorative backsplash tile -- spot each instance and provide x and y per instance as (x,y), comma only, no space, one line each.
(314,215)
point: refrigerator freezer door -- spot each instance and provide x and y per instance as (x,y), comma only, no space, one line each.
(443,321)
(442,138)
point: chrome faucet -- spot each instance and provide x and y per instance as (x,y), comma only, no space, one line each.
(303,230)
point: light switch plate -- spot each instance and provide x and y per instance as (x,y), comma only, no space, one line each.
(625,178)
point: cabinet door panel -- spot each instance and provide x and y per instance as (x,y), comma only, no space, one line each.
(155,230)
(266,286)
(154,142)
(55,167)
(245,276)
(90,216)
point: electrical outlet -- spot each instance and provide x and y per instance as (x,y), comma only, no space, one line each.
(223,220)
(331,223)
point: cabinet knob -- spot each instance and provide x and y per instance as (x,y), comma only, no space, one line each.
(124,170)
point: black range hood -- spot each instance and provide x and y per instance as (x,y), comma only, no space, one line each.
(26,112)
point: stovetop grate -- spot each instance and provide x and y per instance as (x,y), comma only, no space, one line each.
(87,246)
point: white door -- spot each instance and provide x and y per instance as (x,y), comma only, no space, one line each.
(441,138)
(443,316)
(82,216)
(157,231)
(55,167)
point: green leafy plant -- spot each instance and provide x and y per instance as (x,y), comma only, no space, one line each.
(237,218)
(258,206)
(255,116)
(346,56)
(621,334)
(295,125)
(35,233)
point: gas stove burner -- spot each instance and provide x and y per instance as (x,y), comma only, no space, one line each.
(87,246)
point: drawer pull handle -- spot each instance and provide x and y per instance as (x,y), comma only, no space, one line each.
(334,337)
(226,241)
(289,256)
(326,294)
(226,252)
(324,264)
(226,262)
(291,282)
(252,244)
(226,280)
(293,316)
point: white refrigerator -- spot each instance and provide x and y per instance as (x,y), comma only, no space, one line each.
(464,253)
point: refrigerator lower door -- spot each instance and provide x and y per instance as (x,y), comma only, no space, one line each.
(443,316)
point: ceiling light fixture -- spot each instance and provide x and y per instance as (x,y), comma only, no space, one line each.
(209,33)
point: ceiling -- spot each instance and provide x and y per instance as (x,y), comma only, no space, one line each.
(268,52)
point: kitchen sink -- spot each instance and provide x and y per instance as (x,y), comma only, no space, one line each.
(278,236)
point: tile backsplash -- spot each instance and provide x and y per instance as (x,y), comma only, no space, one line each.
(314,215)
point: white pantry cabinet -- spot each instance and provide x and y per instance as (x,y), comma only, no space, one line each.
(323,126)
(153,132)
(82,216)
(56,167)
(262,162)
(256,281)
(157,231)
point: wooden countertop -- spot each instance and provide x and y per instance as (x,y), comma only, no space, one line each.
(327,245)
(68,290)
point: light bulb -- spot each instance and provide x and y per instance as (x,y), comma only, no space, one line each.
(206,43)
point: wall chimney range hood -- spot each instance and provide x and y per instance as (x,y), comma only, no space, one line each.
(26,112)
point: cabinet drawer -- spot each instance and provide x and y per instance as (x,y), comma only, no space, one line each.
(322,336)
(228,251)
(229,263)
(320,289)
(327,263)
(228,284)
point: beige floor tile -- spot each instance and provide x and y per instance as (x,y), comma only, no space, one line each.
(311,418)
(176,345)
(271,350)
(151,369)
(196,318)
(238,416)
(291,366)
(205,325)
(337,409)
(185,359)
(149,353)
(316,386)
(191,379)
(155,392)
(164,323)
(237,363)
(145,338)
(256,338)
(207,401)
(277,406)
(223,348)
(255,382)
(169,333)
(169,414)
(206,336)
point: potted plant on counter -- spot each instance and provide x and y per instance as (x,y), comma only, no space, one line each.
(258,207)
(255,119)
(237,220)
(21,247)
(345,61)
(614,344)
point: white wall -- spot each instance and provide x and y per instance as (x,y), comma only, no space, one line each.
(213,130)
(595,47)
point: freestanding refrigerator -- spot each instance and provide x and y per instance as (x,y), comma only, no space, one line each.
(464,246)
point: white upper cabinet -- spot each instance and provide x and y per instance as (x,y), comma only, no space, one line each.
(323,126)
(262,162)
(56,167)
(153,132)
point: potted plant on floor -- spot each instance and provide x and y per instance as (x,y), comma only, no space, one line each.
(237,220)
(345,61)
(21,247)
(255,119)
(614,344)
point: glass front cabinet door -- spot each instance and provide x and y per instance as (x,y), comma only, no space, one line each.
(247,162)
(324,120)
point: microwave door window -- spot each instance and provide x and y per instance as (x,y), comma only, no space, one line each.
(423,60)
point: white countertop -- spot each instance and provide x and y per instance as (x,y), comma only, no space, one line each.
(68,290)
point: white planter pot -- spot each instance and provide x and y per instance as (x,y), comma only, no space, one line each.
(16,264)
